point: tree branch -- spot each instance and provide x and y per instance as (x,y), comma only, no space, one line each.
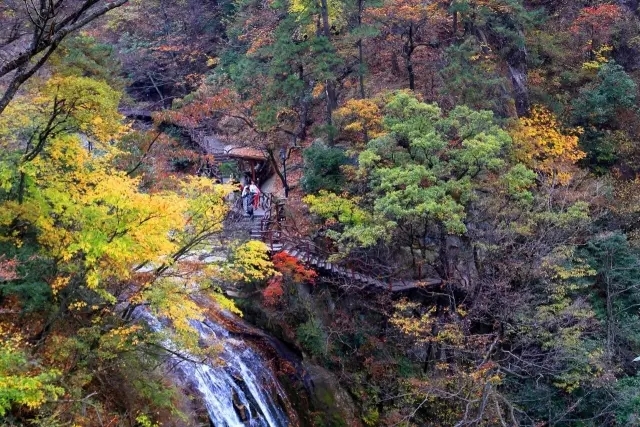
(48,43)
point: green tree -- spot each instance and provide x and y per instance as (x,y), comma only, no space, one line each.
(596,109)
(616,293)
(471,78)
(83,55)
(322,169)
(284,72)
(422,175)
(494,34)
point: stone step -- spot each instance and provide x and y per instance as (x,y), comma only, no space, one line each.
(305,257)
(247,217)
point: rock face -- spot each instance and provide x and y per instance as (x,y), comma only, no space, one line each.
(517,65)
(516,61)
(329,399)
(315,394)
(241,409)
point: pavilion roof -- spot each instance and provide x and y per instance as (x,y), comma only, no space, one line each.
(244,152)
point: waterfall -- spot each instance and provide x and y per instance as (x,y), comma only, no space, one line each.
(238,392)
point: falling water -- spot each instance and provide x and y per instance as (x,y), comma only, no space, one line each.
(241,384)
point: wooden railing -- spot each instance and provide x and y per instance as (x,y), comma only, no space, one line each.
(272,231)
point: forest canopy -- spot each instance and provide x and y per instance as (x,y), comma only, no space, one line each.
(448,222)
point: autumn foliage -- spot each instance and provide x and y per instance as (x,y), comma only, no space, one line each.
(596,25)
(290,272)
(468,170)
(292,269)
(541,143)
(84,243)
(8,268)
(360,119)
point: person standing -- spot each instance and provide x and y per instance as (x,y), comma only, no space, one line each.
(255,195)
(246,200)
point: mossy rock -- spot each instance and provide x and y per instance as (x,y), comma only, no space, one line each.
(331,404)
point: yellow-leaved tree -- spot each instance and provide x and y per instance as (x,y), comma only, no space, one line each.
(360,119)
(102,246)
(20,381)
(541,143)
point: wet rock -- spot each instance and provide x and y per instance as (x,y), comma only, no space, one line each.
(241,409)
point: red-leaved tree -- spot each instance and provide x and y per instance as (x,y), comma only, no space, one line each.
(292,272)
(595,26)
(8,269)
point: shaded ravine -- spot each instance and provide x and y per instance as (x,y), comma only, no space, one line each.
(240,390)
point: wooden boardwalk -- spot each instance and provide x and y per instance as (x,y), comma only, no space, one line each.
(320,263)
(261,228)
(303,253)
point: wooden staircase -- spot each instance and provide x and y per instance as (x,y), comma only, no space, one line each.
(334,269)
(270,231)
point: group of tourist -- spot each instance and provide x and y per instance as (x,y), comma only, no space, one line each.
(250,194)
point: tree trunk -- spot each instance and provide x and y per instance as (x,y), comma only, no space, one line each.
(274,164)
(409,47)
(609,308)
(49,31)
(455,24)
(443,255)
(361,69)
(330,89)
(360,52)
(412,78)
(21,185)
(518,73)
